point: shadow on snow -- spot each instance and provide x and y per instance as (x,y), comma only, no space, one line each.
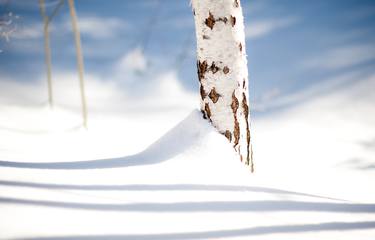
(157,187)
(329,226)
(207,206)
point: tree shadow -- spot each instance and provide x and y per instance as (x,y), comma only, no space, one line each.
(368,167)
(363,163)
(263,230)
(159,187)
(358,164)
(207,206)
(182,137)
(370,145)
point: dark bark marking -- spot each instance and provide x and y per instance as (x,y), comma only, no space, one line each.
(214,68)
(236,4)
(240,47)
(228,135)
(233,20)
(226,70)
(204,114)
(207,110)
(243,84)
(194,11)
(214,96)
(206,37)
(210,21)
(245,106)
(224,20)
(203,93)
(246,113)
(236,132)
(202,68)
(234,104)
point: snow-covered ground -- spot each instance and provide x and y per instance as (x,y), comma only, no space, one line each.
(153,169)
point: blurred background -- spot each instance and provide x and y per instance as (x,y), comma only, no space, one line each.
(139,45)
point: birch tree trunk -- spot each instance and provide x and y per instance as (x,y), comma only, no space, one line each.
(222,71)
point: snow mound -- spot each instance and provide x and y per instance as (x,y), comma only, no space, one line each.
(189,135)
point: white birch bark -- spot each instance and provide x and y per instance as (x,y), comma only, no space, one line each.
(222,71)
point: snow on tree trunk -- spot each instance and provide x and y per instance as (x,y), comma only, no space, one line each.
(222,71)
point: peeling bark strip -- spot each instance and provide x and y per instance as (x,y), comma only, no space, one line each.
(222,71)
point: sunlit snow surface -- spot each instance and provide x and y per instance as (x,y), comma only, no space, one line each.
(154,169)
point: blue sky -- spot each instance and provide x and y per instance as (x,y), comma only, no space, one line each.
(291,45)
